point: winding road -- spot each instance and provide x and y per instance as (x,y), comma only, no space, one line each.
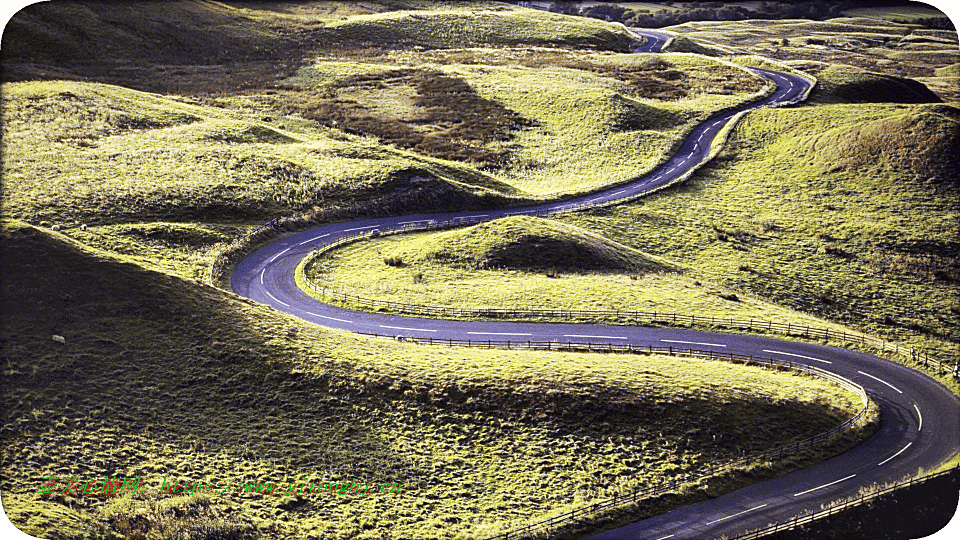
(920,419)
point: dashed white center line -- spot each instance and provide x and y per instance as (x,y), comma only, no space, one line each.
(798,356)
(665,537)
(279,254)
(904,449)
(361,228)
(670,170)
(823,486)
(692,342)
(325,317)
(315,239)
(919,416)
(275,299)
(618,192)
(408,329)
(737,514)
(880,381)
(261,275)
(497,334)
(597,337)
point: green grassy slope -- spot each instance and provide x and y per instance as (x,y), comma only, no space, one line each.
(168,46)
(532,269)
(82,152)
(524,242)
(545,121)
(868,44)
(844,211)
(845,84)
(160,377)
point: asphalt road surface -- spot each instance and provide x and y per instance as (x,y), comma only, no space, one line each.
(920,424)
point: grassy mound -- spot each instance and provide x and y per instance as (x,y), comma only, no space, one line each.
(909,141)
(160,377)
(522,242)
(846,84)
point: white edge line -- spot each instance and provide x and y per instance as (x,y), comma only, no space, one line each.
(275,299)
(598,337)
(496,334)
(404,328)
(325,317)
(823,486)
(737,514)
(904,449)
(692,342)
(279,254)
(315,239)
(798,356)
(919,416)
(880,380)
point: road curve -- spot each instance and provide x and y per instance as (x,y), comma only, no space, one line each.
(920,419)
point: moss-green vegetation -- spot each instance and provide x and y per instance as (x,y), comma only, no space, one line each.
(845,84)
(845,211)
(81,152)
(868,44)
(163,377)
(523,242)
(547,122)
(529,263)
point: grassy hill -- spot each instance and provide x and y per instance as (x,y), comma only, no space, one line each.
(530,263)
(845,211)
(523,242)
(199,46)
(874,45)
(845,84)
(107,153)
(164,378)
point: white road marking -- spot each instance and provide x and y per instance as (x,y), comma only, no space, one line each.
(692,342)
(665,537)
(279,254)
(414,221)
(920,416)
(670,170)
(325,317)
(496,334)
(618,192)
(410,329)
(361,228)
(895,455)
(315,239)
(261,275)
(599,337)
(481,215)
(798,356)
(880,380)
(275,299)
(737,514)
(823,486)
